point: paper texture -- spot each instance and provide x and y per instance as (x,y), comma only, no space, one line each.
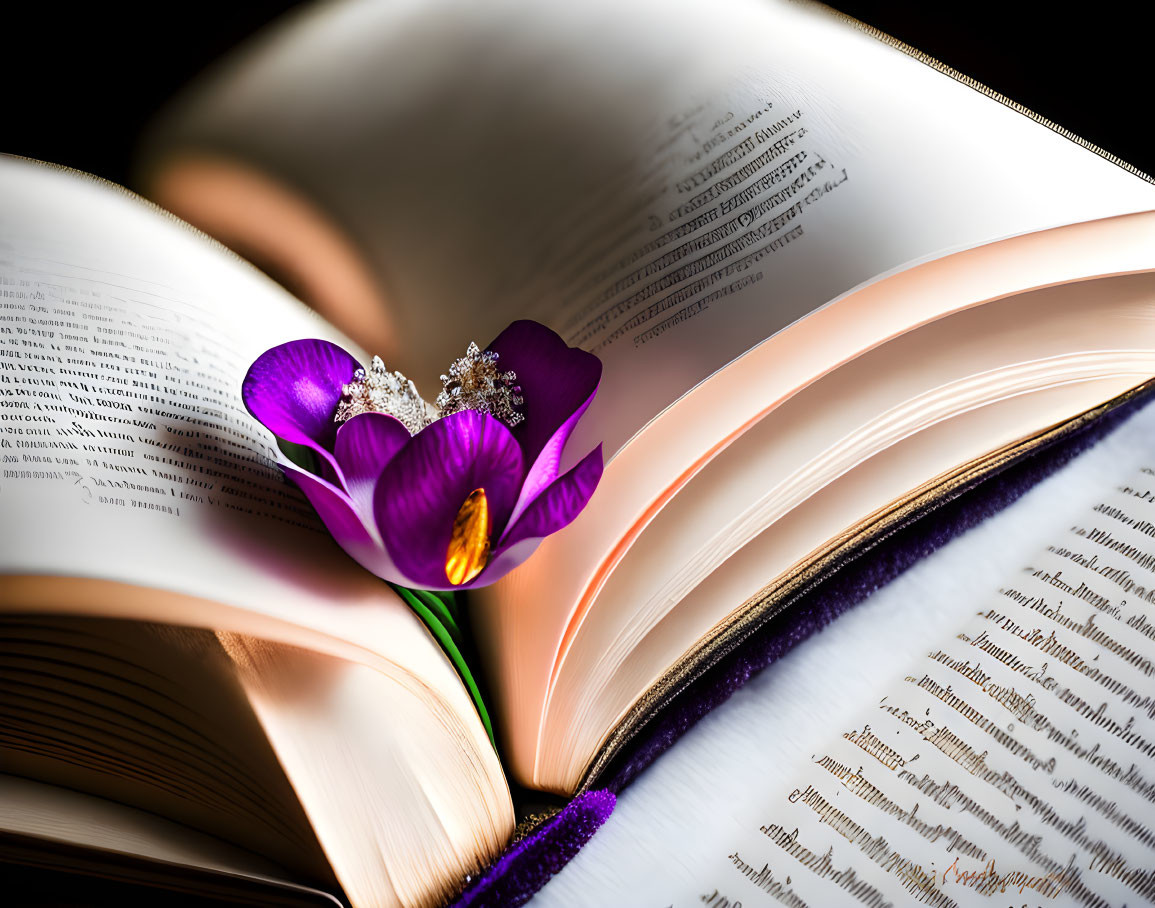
(1039,623)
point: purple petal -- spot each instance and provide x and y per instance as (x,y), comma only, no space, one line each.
(557,382)
(340,517)
(559,503)
(555,508)
(503,562)
(333,506)
(294,389)
(427,481)
(545,469)
(364,445)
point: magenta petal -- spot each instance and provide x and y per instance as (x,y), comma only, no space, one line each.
(340,517)
(555,508)
(545,469)
(364,445)
(332,505)
(294,389)
(427,481)
(504,561)
(559,503)
(557,382)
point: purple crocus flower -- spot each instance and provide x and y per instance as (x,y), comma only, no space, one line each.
(466,497)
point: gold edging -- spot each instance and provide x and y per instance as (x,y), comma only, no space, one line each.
(531,823)
(972,83)
(774,598)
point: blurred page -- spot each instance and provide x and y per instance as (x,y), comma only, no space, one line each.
(664,183)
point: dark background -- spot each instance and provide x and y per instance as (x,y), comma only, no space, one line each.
(80,80)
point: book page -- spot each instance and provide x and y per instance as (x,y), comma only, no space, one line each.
(664,183)
(668,184)
(58,825)
(578,564)
(152,717)
(385,783)
(1012,758)
(126,454)
(982,735)
(133,483)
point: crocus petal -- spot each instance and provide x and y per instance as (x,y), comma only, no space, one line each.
(546,467)
(294,389)
(553,509)
(425,484)
(503,562)
(332,505)
(557,382)
(364,445)
(341,519)
(559,503)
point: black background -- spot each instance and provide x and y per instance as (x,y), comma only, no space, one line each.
(81,80)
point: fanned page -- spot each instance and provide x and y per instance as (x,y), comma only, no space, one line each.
(979,732)
(134,485)
(683,188)
(403,812)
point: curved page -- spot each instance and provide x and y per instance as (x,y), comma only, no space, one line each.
(666,182)
(134,484)
(571,567)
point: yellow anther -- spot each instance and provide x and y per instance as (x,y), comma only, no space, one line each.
(468,551)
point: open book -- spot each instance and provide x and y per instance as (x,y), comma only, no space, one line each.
(831,286)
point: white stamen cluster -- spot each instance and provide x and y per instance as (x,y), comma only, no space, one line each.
(380,391)
(473,383)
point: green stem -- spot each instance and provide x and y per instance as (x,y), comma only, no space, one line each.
(429,607)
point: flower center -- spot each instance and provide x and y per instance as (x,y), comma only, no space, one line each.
(377,390)
(468,551)
(474,383)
